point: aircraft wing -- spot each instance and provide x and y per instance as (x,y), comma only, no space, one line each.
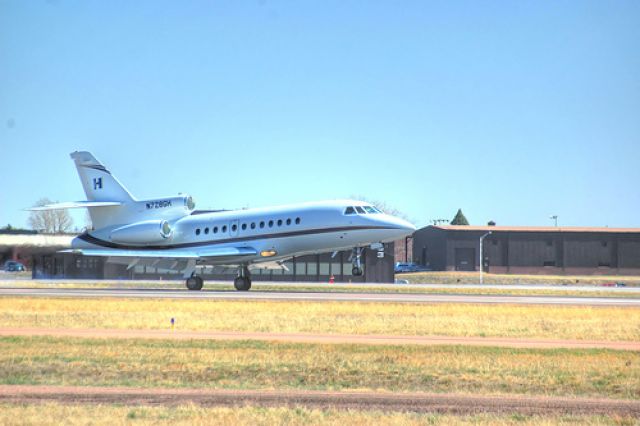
(203,253)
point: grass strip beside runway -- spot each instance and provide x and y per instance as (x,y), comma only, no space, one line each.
(263,365)
(407,319)
(190,414)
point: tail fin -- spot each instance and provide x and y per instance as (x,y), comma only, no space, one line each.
(98,183)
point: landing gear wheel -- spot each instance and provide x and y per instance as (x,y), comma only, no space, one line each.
(242,283)
(194,283)
(356,271)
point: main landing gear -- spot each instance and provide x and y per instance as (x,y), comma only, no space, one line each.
(356,270)
(243,280)
(241,283)
(195,282)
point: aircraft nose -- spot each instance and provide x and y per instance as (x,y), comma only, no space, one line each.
(408,226)
(401,224)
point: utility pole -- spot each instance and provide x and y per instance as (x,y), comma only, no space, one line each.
(481,260)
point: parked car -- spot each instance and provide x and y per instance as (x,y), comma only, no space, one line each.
(13,266)
(409,267)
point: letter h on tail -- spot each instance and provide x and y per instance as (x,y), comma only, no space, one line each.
(97,183)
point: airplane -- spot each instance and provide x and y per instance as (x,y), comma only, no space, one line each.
(169,233)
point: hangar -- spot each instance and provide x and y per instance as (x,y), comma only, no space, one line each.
(24,246)
(39,253)
(529,250)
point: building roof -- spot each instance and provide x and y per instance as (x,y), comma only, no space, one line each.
(536,229)
(35,240)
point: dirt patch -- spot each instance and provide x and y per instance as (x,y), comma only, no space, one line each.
(416,402)
(322,338)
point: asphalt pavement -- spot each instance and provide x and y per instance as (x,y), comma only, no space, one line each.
(320,296)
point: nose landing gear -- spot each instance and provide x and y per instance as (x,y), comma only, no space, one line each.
(243,280)
(356,270)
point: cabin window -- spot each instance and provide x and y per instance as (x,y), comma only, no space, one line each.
(297,221)
(253,225)
(206,231)
(244,226)
(288,221)
(234,227)
(349,210)
(261,224)
(215,229)
(224,228)
(198,231)
(360,210)
(279,222)
(270,224)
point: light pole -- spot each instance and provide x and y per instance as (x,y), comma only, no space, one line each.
(481,240)
(555,218)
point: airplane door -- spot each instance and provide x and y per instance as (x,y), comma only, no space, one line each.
(234,228)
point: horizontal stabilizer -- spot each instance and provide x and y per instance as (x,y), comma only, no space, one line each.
(205,253)
(75,205)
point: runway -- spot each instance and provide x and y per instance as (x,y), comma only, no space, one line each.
(320,296)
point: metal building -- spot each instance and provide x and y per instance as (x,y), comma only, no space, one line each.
(529,250)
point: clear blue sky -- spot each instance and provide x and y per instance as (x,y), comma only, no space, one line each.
(511,110)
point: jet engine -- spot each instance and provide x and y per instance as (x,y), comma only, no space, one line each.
(142,233)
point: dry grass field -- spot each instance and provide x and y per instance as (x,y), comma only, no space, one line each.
(109,415)
(450,277)
(553,322)
(469,370)
(264,365)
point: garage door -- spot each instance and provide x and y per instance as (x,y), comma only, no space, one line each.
(465,259)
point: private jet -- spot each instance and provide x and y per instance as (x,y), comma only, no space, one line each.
(168,232)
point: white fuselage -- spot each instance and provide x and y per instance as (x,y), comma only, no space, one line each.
(274,232)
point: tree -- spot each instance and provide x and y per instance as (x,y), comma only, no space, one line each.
(459,219)
(384,207)
(50,221)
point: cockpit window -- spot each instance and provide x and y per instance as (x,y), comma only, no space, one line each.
(349,210)
(369,209)
(360,210)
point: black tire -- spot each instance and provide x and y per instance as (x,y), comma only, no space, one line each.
(356,271)
(242,283)
(195,283)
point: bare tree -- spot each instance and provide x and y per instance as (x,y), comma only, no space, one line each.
(50,221)
(385,207)
(88,223)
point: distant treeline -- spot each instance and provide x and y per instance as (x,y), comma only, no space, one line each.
(11,230)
